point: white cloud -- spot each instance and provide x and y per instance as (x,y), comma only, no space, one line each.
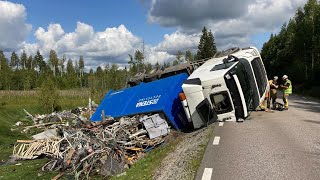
(13,28)
(111,42)
(232,22)
(109,46)
(152,55)
(178,41)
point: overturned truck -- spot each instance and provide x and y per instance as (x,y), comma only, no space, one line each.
(225,87)
(161,96)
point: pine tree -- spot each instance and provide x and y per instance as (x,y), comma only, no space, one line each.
(24,59)
(70,68)
(157,65)
(14,61)
(3,61)
(53,62)
(189,56)
(81,66)
(39,62)
(138,56)
(179,58)
(206,47)
(148,67)
(5,73)
(132,66)
(48,95)
(212,49)
(29,65)
(61,64)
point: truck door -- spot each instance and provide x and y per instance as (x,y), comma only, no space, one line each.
(207,114)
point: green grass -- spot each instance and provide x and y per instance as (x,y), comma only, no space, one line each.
(144,168)
(27,170)
(197,158)
(11,111)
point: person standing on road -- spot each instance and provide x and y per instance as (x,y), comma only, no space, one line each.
(287,90)
(273,92)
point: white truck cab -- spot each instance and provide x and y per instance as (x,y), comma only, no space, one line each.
(225,88)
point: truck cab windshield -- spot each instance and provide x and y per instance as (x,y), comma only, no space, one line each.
(221,102)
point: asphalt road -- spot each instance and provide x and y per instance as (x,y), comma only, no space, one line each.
(276,145)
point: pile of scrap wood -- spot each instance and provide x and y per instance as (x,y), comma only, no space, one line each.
(76,114)
(106,147)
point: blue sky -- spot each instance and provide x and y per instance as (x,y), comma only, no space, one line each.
(107,31)
(99,14)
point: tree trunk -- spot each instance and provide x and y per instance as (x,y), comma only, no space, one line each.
(312,65)
(306,71)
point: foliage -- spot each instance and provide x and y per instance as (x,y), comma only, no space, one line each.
(139,57)
(295,50)
(144,168)
(12,104)
(207,47)
(30,71)
(48,96)
(179,57)
(189,56)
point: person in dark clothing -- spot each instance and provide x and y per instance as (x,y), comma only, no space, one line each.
(273,92)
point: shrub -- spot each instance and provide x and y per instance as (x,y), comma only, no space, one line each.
(49,96)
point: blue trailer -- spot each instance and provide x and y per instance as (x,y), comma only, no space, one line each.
(157,96)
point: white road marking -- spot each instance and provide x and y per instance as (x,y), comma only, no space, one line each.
(220,123)
(207,174)
(216,140)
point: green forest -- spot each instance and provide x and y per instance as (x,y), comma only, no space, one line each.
(295,50)
(29,72)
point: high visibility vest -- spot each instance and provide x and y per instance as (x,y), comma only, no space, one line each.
(289,89)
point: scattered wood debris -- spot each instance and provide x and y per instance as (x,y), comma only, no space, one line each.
(80,147)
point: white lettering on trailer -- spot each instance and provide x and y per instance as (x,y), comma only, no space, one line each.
(148,101)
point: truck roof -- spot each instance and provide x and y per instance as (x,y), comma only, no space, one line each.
(215,68)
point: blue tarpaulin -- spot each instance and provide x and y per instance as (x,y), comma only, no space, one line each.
(157,96)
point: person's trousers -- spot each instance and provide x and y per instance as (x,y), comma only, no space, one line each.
(273,95)
(285,100)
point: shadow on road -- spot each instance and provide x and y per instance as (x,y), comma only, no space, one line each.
(312,121)
(304,103)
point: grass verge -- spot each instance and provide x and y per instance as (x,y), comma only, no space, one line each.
(145,167)
(197,158)
(11,111)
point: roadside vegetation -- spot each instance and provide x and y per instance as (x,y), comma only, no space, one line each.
(11,111)
(146,167)
(295,50)
(12,104)
(41,85)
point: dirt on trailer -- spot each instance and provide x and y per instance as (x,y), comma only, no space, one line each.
(184,161)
